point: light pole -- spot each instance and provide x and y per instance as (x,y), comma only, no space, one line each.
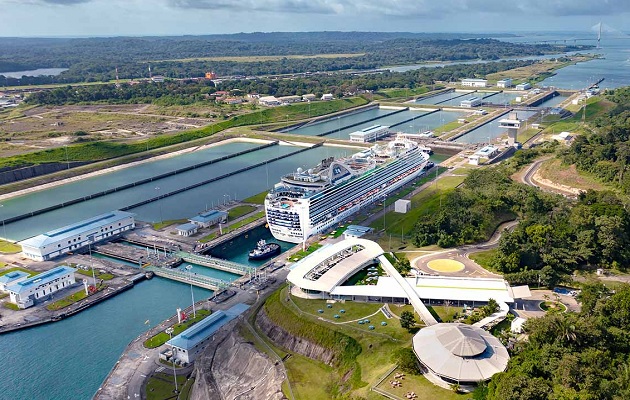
(169,330)
(92,264)
(229,198)
(192,295)
(157,188)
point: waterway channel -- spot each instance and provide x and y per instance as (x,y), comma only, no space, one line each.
(179,206)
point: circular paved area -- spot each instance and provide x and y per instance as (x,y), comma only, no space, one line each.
(445,265)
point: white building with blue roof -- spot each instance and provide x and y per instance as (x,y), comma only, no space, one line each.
(28,291)
(208,218)
(11,278)
(188,344)
(75,236)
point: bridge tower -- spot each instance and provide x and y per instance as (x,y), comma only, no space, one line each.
(512,124)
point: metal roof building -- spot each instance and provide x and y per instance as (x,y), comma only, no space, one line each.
(75,236)
(209,218)
(26,292)
(11,278)
(188,344)
(460,353)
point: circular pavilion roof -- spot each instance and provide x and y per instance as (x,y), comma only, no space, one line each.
(462,340)
(460,353)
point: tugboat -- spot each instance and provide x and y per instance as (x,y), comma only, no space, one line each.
(264,250)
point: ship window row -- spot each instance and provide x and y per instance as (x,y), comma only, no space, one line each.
(339,200)
(340,195)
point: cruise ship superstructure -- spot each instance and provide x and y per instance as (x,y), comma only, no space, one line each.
(306,203)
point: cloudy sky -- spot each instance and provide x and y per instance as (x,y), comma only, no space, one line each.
(177,17)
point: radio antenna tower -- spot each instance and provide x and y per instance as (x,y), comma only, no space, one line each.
(599,35)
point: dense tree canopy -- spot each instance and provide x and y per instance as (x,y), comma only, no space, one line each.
(96,59)
(573,356)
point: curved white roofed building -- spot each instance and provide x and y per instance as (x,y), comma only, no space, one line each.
(332,265)
(459,353)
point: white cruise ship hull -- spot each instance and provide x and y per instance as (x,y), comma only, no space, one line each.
(295,224)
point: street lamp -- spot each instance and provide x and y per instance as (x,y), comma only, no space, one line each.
(229,198)
(157,188)
(169,330)
(192,296)
(67,159)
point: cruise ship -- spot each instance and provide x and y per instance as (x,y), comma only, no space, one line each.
(306,203)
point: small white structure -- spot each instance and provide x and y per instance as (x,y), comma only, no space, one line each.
(471,102)
(369,134)
(269,101)
(209,218)
(78,235)
(473,160)
(26,292)
(187,229)
(356,231)
(289,99)
(11,278)
(505,83)
(487,151)
(563,137)
(402,206)
(517,325)
(327,97)
(474,82)
(157,78)
(309,97)
(523,86)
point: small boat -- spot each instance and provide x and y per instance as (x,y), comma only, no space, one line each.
(264,250)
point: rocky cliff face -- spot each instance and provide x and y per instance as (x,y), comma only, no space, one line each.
(290,342)
(235,369)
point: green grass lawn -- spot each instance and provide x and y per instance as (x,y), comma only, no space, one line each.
(162,337)
(371,363)
(421,386)
(483,258)
(105,277)
(447,127)
(11,306)
(239,211)
(161,386)
(301,254)
(28,271)
(553,306)
(68,300)
(8,247)
(445,313)
(159,225)
(353,310)
(233,226)
(257,198)
(425,202)
(309,378)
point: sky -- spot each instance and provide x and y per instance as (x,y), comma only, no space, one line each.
(46,18)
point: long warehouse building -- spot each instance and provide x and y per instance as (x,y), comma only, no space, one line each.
(78,235)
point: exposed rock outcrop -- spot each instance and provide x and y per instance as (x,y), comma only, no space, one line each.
(283,338)
(235,369)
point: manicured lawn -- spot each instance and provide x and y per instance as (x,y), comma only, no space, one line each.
(447,127)
(28,271)
(423,203)
(257,198)
(421,386)
(162,337)
(483,258)
(159,225)
(301,254)
(309,378)
(234,226)
(161,386)
(8,247)
(553,306)
(239,211)
(11,306)
(66,301)
(353,310)
(445,313)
